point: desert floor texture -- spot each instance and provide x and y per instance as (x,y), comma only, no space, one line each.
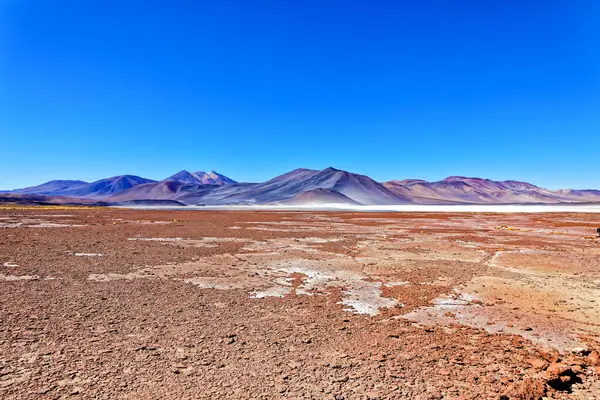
(132,304)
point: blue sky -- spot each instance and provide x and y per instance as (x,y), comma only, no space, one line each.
(392,89)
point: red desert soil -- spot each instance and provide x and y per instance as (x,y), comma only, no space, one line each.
(130,304)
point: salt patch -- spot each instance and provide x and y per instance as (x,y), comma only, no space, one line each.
(113,277)
(212,283)
(361,296)
(54,225)
(275,291)
(54,215)
(19,278)
(394,284)
(319,240)
(10,225)
(156,239)
(10,265)
(366,299)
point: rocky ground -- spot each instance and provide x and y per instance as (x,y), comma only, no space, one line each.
(131,304)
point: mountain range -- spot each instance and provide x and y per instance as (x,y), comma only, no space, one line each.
(304,187)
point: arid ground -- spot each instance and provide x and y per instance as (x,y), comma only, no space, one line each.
(131,304)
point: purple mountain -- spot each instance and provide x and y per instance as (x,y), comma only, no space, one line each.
(458,189)
(51,187)
(358,188)
(78,189)
(201,178)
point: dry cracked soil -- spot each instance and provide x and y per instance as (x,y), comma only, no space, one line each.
(137,304)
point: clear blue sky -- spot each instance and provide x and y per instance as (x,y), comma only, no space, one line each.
(506,89)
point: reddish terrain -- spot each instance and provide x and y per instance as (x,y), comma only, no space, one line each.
(114,303)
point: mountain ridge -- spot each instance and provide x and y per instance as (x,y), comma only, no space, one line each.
(310,186)
(468,190)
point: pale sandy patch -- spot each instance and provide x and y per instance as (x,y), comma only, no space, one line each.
(19,277)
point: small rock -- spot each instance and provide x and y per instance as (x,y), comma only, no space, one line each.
(372,395)
(280,388)
(557,369)
(46,390)
(537,363)
(342,379)
(593,358)
(549,355)
(148,348)
(581,351)
(577,369)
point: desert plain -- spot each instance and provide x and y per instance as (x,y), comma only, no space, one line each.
(110,303)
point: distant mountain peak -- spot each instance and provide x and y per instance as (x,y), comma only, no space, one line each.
(201,178)
(213,174)
(126,177)
(298,170)
(463,178)
(51,187)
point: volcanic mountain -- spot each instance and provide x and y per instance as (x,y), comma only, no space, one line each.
(78,189)
(359,188)
(201,178)
(51,187)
